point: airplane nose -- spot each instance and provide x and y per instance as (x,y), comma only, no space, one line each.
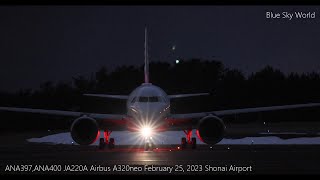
(150,117)
(147,112)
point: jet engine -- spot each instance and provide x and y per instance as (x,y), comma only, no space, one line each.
(85,130)
(211,129)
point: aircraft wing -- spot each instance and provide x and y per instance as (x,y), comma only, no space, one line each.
(63,113)
(240,111)
(108,96)
(187,95)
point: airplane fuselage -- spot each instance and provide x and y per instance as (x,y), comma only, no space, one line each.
(147,106)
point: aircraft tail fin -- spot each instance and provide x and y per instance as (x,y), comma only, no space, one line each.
(146,60)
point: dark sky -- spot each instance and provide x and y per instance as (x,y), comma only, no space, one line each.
(57,42)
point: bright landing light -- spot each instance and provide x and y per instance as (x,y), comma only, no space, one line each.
(146,131)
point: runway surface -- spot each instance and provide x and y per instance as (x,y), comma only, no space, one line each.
(219,159)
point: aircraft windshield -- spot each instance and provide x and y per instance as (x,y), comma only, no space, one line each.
(149,99)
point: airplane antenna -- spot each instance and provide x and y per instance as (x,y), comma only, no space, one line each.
(146,60)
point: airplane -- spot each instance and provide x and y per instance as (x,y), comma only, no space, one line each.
(148,112)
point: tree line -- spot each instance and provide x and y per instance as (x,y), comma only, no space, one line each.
(229,88)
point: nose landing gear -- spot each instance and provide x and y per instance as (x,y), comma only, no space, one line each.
(148,145)
(105,141)
(188,140)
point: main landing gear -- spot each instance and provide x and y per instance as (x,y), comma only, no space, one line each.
(188,140)
(110,143)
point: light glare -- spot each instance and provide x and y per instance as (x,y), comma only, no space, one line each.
(146,131)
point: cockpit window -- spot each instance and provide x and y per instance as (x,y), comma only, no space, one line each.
(134,100)
(154,99)
(143,99)
(149,99)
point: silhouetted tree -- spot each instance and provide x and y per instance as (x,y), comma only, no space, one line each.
(102,79)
